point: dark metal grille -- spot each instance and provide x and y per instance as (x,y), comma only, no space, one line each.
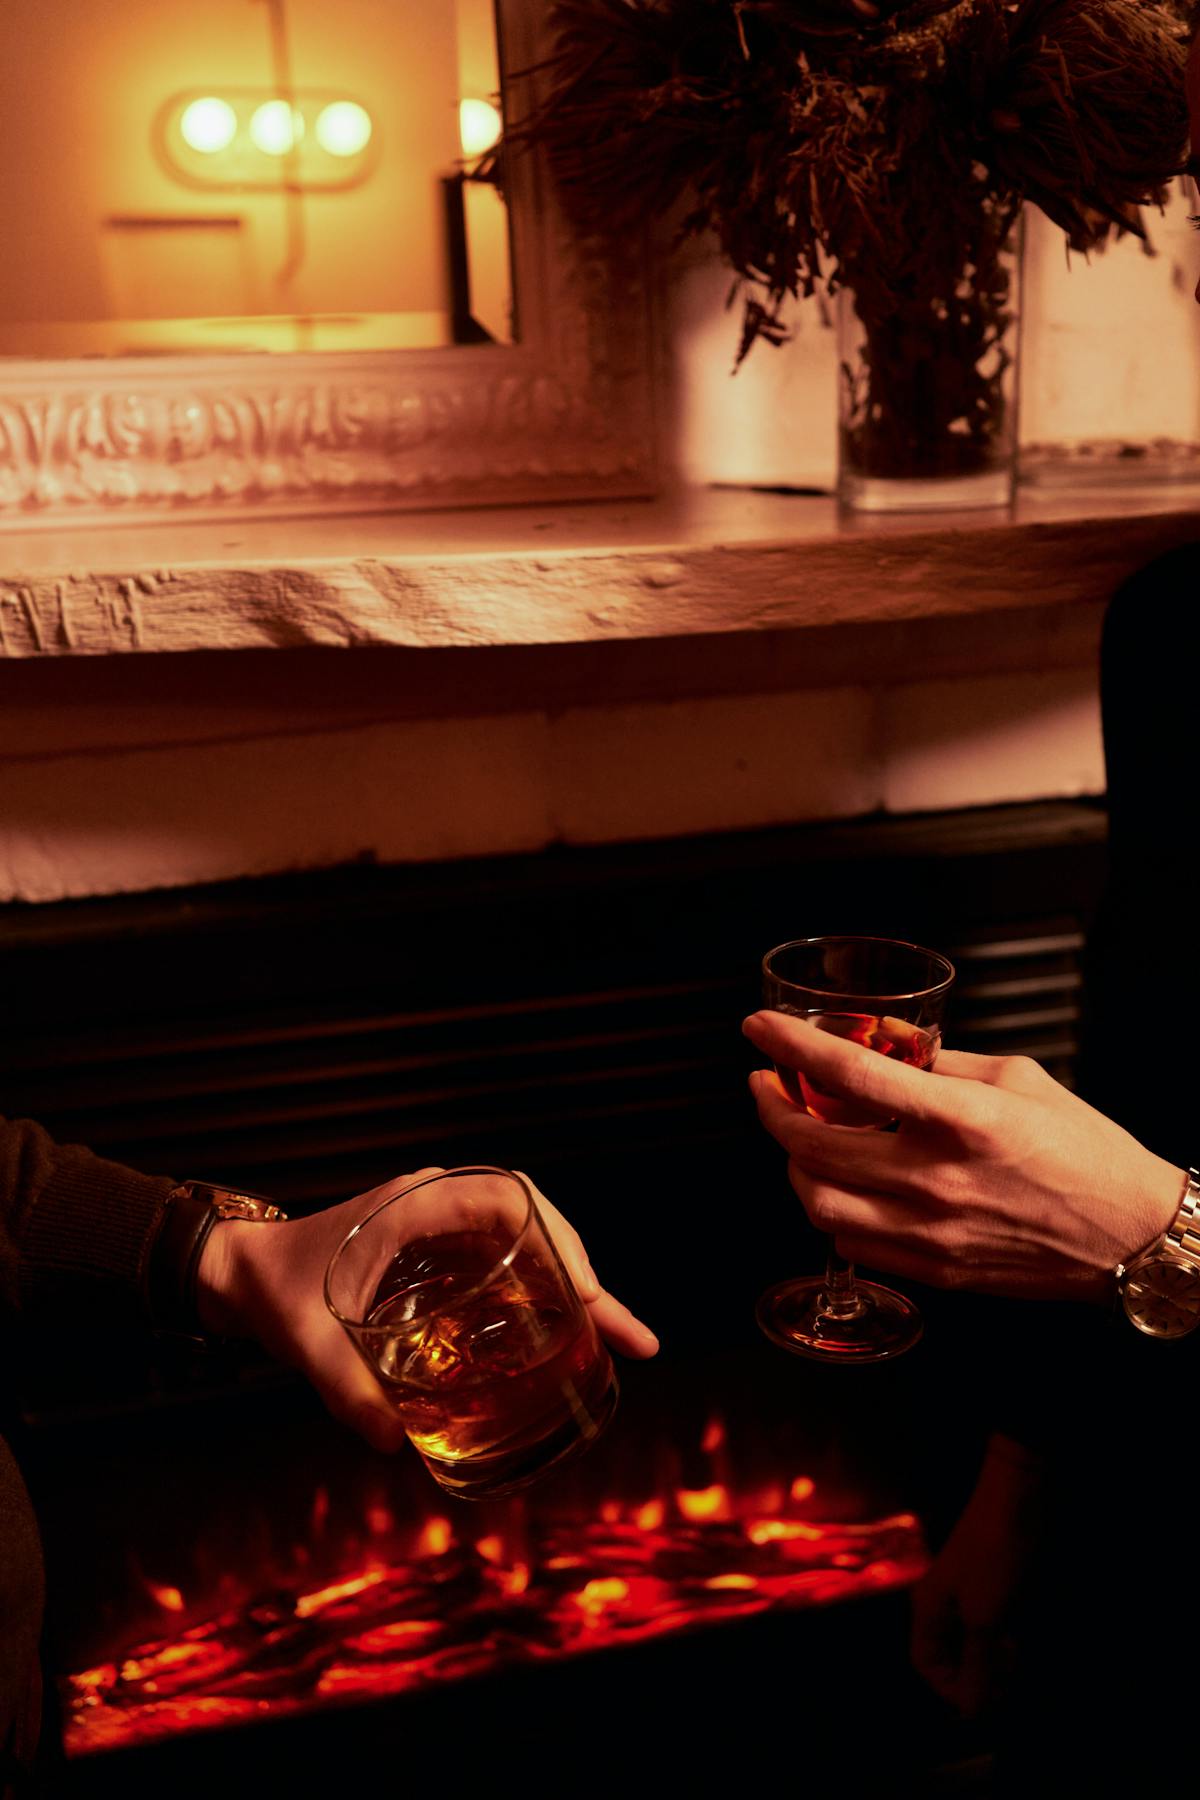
(311,1037)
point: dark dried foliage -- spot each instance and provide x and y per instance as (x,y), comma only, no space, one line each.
(830,142)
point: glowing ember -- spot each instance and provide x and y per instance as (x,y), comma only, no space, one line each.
(801,1488)
(714,1436)
(782,1531)
(169,1598)
(627,1574)
(436,1538)
(514,1580)
(601,1593)
(308,1604)
(703,1503)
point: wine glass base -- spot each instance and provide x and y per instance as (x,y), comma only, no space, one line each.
(796,1316)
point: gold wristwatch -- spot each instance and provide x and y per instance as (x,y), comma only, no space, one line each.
(233,1203)
(1160,1287)
(189,1213)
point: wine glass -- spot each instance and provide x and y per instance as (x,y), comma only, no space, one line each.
(889,996)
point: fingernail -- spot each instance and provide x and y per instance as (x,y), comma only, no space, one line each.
(753,1025)
(589,1276)
(756,1082)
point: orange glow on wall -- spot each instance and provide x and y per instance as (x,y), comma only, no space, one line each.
(171,159)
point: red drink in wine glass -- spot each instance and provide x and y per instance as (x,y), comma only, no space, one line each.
(890,997)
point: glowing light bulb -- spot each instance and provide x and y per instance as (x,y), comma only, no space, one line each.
(208,125)
(275,127)
(479,126)
(344,128)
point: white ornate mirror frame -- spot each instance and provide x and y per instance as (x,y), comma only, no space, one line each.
(565,413)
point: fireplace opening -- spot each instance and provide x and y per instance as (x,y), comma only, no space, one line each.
(319,1576)
(238,1586)
(275,1597)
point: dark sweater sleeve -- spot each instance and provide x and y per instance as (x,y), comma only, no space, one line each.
(75,1230)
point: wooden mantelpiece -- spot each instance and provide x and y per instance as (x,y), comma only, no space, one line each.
(700,563)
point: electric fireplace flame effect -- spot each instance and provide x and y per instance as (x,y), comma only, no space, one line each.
(169,1598)
(409,1603)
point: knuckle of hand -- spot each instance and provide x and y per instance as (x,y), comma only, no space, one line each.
(950,1182)
(822,1207)
(1020,1073)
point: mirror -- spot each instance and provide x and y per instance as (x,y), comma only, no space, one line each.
(250,175)
(223,299)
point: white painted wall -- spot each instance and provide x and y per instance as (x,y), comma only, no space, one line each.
(196,806)
(1110,348)
(1112,345)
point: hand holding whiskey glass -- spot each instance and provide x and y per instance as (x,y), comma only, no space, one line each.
(890,997)
(455,1296)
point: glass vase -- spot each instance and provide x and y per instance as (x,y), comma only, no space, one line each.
(928,384)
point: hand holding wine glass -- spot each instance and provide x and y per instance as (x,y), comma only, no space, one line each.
(998,1179)
(887,997)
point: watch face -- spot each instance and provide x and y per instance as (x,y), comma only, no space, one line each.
(1163,1297)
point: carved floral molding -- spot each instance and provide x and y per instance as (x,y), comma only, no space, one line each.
(119,449)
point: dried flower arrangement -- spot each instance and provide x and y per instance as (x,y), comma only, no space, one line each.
(877,147)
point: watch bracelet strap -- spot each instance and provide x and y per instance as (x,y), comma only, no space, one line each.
(1182,1236)
(190,1212)
(1180,1240)
(1183,1233)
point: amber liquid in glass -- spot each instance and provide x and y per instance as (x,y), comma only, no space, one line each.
(889,1036)
(492,1386)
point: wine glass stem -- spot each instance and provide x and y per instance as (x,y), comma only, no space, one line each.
(840,1298)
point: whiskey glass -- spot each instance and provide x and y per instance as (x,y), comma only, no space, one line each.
(889,996)
(454,1295)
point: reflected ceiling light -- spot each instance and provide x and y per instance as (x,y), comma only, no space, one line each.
(344,128)
(208,124)
(252,139)
(276,127)
(479,126)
